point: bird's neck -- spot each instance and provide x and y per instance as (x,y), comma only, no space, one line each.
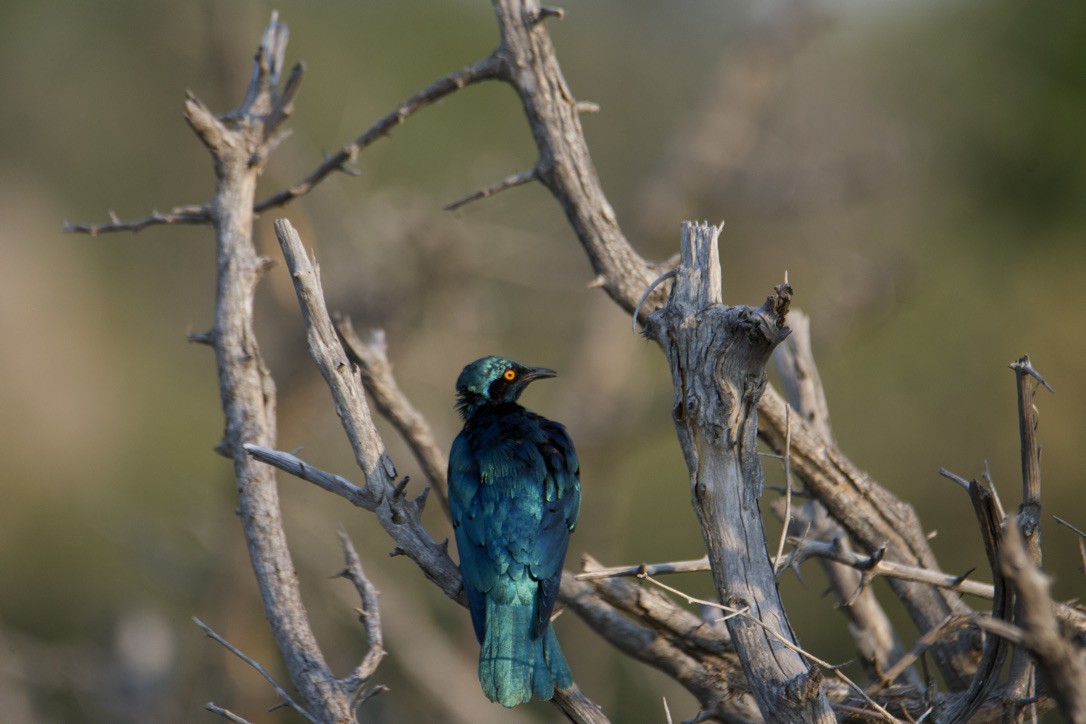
(474,407)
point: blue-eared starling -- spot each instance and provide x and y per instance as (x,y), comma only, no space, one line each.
(515,494)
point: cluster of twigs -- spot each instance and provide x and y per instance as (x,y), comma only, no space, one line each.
(734,667)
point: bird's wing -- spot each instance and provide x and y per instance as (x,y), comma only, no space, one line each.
(478,569)
(561,507)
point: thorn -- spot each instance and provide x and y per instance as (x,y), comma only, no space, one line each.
(597,283)
(397,492)
(264,263)
(549,12)
(207,337)
(586,107)
(445,546)
(420,502)
(297,450)
(931,534)
(959,580)
(397,551)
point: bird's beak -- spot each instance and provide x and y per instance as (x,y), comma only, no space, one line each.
(537,373)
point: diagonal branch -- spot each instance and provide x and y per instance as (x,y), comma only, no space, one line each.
(485,69)
(511,181)
(211,634)
(371,356)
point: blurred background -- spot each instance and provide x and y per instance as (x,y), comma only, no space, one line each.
(918,169)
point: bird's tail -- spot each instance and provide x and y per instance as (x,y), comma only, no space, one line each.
(514,666)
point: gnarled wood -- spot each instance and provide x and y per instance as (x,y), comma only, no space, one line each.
(717,356)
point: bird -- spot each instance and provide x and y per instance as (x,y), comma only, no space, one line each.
(515,496)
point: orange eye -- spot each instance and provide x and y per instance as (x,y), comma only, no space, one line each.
(510,375)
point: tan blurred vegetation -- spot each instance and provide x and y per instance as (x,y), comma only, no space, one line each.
(918,169)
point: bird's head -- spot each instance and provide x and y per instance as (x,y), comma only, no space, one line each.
(492,381)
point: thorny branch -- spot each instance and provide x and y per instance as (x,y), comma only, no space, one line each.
(525,59)
(212,634)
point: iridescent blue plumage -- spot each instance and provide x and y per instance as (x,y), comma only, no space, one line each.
(514,493)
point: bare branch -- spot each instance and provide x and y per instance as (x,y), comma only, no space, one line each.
(516,179)
(746,614)
(485,69)
(1059,660)
(868,623)
(259,669)
(179,215)
(875,517)
(1063,522)
(698,654)
(225,713)
(369,614)
(777,559)
(1029,512)
(331,360)
(371,356)
(878,565)
(237,143)
(530,65)
(644,569)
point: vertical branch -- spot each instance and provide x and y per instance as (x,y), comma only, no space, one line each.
(717,356)
(1029,511)
(238,143)
(1059,660)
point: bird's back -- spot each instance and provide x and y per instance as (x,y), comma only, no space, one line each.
(515,496)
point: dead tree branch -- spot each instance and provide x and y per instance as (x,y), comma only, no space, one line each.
(485,69)
(238,143)
(868,623)
(370,615)
(717,356)
(1060,661)
(287,700)
(875,517)
(371,356)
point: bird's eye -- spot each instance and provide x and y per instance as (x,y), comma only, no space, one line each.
(510,374)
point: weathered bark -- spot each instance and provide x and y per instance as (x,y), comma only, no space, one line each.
(717,356)
(239,143)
